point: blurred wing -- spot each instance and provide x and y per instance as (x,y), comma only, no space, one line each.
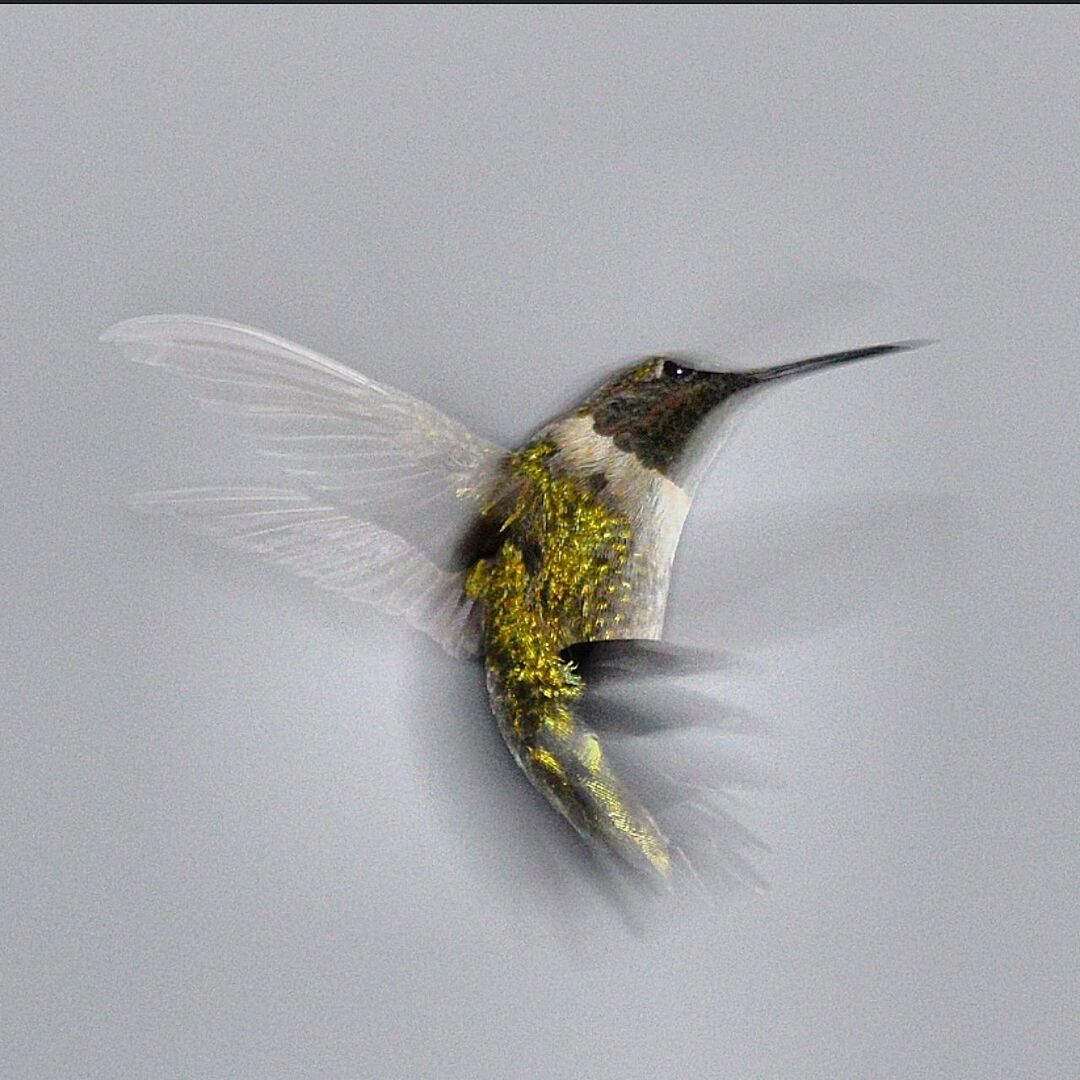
(332,549)
(622,659)
(692,759)
(352,442)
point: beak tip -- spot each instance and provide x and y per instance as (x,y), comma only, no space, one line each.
(914,343)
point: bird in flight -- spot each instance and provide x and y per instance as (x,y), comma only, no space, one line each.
(550,563)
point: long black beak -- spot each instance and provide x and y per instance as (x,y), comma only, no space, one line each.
(816,363)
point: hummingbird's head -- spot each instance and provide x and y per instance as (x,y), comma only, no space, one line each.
(658,408)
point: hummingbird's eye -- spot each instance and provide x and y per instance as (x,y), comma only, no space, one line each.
(674,370)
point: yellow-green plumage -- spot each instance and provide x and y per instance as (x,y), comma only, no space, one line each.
(557,578)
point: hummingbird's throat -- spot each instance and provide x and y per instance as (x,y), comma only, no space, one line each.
(657,423)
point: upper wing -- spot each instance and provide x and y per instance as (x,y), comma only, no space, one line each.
(362,446)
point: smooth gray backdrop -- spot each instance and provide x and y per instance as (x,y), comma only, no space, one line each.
(250,832)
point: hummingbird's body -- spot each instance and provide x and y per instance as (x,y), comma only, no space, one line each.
(589,520)
(581,559)
(589,513)
(582,525)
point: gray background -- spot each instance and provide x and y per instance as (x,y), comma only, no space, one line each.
(250,832)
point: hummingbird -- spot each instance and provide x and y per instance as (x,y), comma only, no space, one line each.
(534,560)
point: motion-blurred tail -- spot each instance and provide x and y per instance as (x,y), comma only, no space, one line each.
(616,779)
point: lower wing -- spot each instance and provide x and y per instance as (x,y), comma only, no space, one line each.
(334,551)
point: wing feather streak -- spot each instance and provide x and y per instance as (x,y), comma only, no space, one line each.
(355,559)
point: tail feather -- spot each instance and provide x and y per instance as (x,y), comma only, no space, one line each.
(567,761)
(655,806)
